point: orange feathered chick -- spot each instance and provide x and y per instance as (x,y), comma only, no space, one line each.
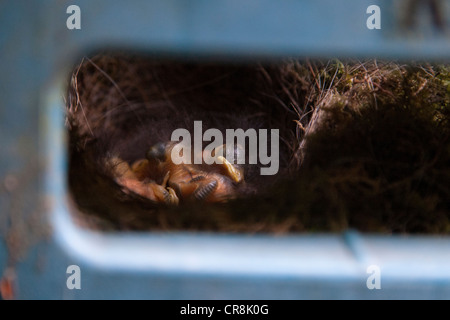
(185,182)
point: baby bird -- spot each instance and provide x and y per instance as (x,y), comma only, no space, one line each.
(178,182)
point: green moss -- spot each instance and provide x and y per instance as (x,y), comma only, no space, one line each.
(386,164)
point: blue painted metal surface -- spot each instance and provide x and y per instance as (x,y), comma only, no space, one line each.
(38,238)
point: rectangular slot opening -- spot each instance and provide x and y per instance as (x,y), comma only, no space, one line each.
(326,146)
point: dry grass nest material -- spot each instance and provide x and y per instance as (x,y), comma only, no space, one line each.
(363,145)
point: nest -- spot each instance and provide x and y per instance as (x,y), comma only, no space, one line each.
(362,145)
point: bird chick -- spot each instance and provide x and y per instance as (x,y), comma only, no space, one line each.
(186,182)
